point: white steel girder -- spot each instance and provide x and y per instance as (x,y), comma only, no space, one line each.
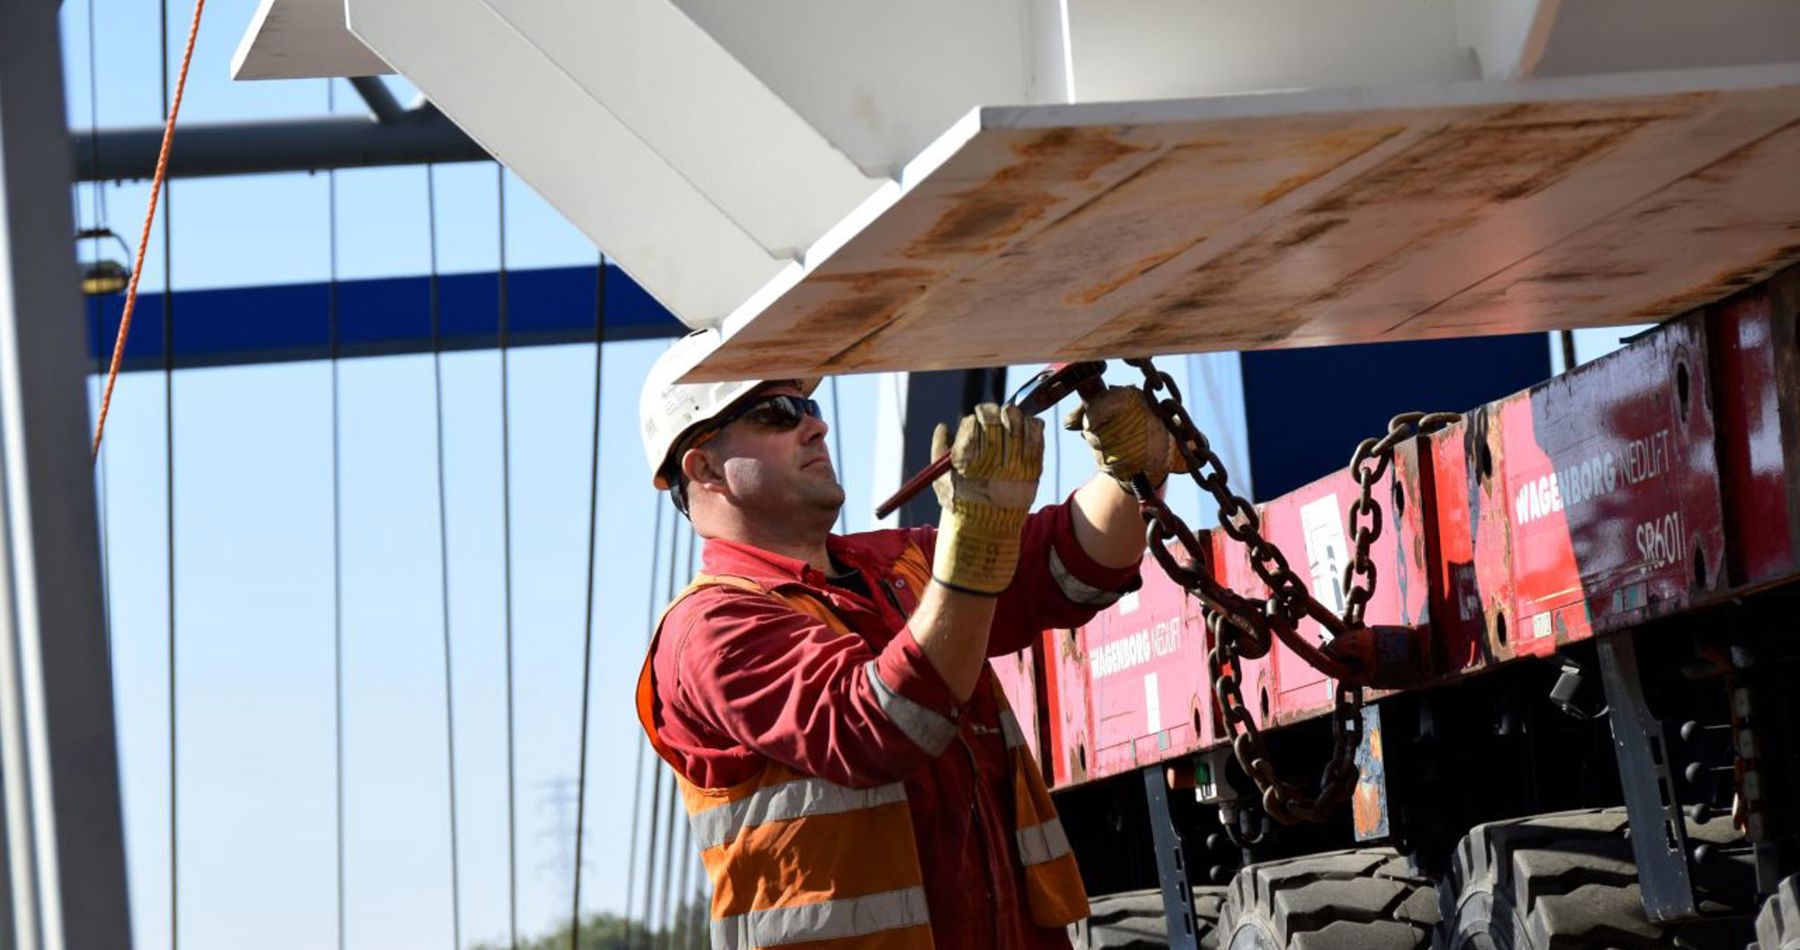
(773,167)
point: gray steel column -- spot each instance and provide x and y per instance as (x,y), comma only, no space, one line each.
(410,137)
(64,868)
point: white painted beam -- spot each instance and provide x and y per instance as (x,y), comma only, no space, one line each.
(1508,36)
(1156,49)
(881,81)
(648,217)
(302,39)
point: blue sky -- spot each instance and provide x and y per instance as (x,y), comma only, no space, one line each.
(254,569)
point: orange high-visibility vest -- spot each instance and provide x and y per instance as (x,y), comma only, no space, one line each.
(796,859)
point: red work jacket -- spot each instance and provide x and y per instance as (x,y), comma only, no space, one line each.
(741,677)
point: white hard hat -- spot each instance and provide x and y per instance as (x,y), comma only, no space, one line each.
(668,409)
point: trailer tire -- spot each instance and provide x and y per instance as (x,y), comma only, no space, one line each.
(1133,920)
(1362,899)
(1569,879)
(1778,925)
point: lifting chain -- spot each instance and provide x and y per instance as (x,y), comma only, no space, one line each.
(1244,627)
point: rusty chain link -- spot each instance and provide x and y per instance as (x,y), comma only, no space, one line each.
(1245,627)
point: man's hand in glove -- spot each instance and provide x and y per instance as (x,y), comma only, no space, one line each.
(1127,436)
(995,460)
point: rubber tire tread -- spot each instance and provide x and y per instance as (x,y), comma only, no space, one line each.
(1778,924)
(1358,899)
(1568,881)
(1133,920)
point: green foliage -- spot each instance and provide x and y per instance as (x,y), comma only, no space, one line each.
(611,932)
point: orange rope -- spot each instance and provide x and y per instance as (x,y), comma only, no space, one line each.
(137,268)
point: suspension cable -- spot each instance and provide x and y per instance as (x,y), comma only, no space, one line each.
(656,778)
(94,314)
(437,392)
(171,107)
(168,354)
(337,523)
(670,854)
(678,932)
(637,783)
(512,811)
(99,188)
(587,632)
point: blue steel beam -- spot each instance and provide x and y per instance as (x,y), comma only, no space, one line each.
(382,317)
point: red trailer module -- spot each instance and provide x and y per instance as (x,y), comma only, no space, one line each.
(1609,480)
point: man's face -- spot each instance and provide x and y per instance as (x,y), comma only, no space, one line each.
(774,470)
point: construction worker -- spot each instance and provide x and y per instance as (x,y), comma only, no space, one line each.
(848,762)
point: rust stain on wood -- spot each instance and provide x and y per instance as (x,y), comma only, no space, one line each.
(1465,170)
(1184,170)
(858,304)
(1720,285)
(1338,148)
(1136,269)
(1021,192)
(1492,162)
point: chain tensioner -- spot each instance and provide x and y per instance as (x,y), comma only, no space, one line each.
(1245,627)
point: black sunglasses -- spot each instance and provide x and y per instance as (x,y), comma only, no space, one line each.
(777,413)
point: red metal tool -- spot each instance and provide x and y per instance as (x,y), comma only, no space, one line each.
(1050,386)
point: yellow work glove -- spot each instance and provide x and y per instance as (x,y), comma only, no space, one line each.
(1127,436)
(995,461)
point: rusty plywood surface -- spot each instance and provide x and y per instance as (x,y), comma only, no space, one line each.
(1302,219)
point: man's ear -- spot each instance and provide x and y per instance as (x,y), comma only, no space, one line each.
(704,472)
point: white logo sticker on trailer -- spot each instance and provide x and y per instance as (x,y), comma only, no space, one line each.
(1322,522)
(1152,706)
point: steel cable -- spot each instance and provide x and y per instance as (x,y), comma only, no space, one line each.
(168,355)
(683,908)
(337,526)
(637,784)
(512,813)
(437,390)
(657,776)
(94,319)
(671,853)
(587,644)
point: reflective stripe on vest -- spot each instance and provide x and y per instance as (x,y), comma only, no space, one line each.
(1042,843)
(928,730)
(825,920)
(799,798)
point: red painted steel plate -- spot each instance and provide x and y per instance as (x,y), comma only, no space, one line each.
(1308,525)
(1138,672)
(1018,676)
(1610,480)
(1069,716)
(1471,561)
(1756,349)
